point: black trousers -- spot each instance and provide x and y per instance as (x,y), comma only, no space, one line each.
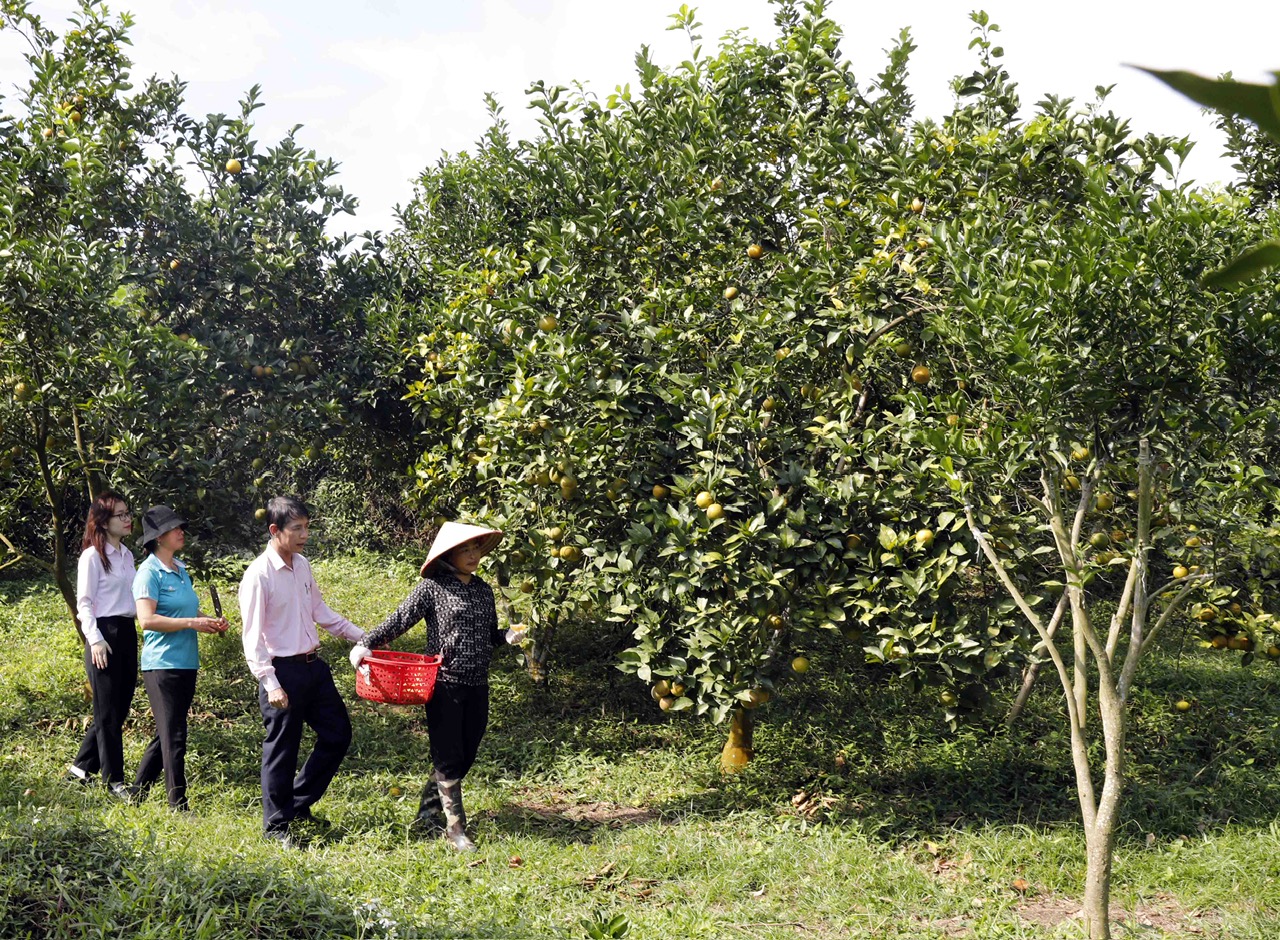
(313,701)
(102,748)
(170,692)
(457,717)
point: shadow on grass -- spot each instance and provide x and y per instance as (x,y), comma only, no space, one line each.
(69,878)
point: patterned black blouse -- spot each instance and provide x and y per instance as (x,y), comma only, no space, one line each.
(462,625)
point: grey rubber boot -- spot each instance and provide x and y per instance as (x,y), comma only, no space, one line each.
(430,818)
(455,816)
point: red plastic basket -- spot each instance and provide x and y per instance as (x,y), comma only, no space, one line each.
(397,678)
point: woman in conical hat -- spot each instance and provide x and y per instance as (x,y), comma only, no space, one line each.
(462,628)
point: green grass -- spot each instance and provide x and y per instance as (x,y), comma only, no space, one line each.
(862,816)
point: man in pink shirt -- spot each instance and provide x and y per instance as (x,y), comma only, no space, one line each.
(280,606)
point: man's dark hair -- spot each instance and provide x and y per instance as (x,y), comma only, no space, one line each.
(284,509)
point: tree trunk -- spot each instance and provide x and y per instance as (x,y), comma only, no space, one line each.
(1100,842)
(737,751)
(1100,837)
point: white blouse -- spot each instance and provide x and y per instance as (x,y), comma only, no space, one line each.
(102,593)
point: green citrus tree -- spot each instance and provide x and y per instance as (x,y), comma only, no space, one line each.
(1117,422)
(176,319)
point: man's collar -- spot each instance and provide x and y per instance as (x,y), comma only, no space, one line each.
(277,562)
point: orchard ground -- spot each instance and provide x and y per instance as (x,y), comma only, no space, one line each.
(862,815)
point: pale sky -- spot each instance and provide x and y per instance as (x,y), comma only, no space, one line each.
(385,86)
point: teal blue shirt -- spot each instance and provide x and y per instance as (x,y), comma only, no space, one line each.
(175,596)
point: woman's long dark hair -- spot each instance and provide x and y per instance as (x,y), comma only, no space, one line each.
(95,527)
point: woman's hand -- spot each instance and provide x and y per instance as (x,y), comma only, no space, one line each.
(209,624)
(99,653)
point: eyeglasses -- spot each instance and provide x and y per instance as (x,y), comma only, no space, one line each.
(122,515)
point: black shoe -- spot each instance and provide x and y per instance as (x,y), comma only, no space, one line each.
(125,793)
(78,775)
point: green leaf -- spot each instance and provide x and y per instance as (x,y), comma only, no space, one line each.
(1252,262)
(1257,103)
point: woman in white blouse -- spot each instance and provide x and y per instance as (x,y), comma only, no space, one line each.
(104,602)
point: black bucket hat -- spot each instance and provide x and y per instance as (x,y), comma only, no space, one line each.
(158,520)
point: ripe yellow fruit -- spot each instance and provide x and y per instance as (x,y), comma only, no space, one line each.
(704,499)
(22,392)
(1273,651)
(917,204)
(755,252)
(570,553)
(547,323)
(1240,641)
(1207,614)
(174,264)
(852,541)
(661,687)
(1182,705)
(1218,641)
(1105,502)
(800,665)
(715,511)
(1071,482)
(667,702)
(568,487)
(660,492)
(717,184)
(953,420)
(767,405)
(260,514)
(1080,453)
(1193,542)
(76,117)
(949,698)
(924,538)
(1180,571)
(920,375)
(555,533)
(234,166)
(1235,607)
(677,689)
(47,133)
(782,353)
(730,293)
(776,621)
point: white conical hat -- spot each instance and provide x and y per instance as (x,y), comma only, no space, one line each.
(453,534)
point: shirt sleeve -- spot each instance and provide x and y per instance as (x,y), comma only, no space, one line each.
(87,574)
(335,623)
(253,616)
(413,608)
(146,584)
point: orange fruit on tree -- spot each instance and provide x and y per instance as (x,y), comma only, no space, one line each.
(1179,571)
(755,251)
(704,499)
(920,374)
(234,166)
(715,511)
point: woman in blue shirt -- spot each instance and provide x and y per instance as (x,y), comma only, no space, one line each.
(170,617)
